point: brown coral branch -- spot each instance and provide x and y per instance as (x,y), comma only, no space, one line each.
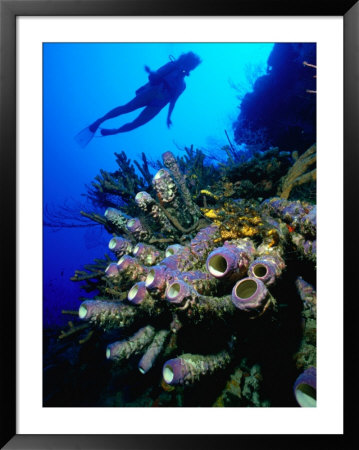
(82,276)
(298,174)
(154,240)
(95,217)
(87,337)
(171,164)
(73,330)
(176,224)
(305,63)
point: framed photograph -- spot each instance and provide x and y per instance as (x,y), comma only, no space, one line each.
(165,169)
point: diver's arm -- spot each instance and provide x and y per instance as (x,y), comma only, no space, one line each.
(170,109)
(173,102)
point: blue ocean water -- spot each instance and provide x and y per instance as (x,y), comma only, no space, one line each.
(82,82)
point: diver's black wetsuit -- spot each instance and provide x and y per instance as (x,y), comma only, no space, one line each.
(164,87)
(154,97)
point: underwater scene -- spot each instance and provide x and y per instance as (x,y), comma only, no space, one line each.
(179,238)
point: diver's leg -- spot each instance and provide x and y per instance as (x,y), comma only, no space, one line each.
(139,101)
(146,115)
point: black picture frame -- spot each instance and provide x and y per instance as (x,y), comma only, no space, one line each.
(9,10)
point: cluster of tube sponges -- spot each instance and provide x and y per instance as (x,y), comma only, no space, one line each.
(196,282)
(185,281)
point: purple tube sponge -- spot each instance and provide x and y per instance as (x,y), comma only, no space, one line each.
(117,218)
(124,262)
(230,261)
(222,262)
(174,250)
(251,295)
(267,268)
(147,254)
(187,368)
(158,277)
(307,295)
(306,247)
(107,314)
(203,242)
(111,270)
(134,345)
(91,308)
(148,205)
(154,349)
(120,246)
(179,291)
(138,293)
(305,388)
(308,223)
(301,215)
(164,186)
(196,307)
(131,269)
(183,259)
(135,227)
(203,282)
(144,200)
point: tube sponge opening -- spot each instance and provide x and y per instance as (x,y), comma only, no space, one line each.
(159,174)
(112,244)
(82,312)
(217,265)
(132,293)
(150,277)
(260,270)
(121,259)
(174,290)
(168,374)
(246,289)
(306,396)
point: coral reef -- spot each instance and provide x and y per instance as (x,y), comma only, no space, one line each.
(177,275)
(287,116)
(298,174)
(253,175)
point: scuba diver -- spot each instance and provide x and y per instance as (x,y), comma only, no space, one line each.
(164,87)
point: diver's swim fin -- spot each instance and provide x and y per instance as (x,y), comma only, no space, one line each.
(84,137)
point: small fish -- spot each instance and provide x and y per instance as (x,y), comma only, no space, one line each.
(290,228)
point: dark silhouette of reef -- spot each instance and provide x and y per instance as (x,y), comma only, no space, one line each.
(280,112)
